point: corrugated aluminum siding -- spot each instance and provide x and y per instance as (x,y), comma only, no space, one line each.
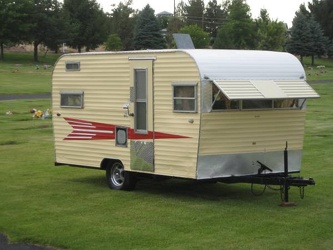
(175,157)
(105,80)
(251,131)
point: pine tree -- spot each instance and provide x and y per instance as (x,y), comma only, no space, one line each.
(147,34)
(307,38)
(300,36)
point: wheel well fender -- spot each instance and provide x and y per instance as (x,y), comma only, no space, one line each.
(107,162)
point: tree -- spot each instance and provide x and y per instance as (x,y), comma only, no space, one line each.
(14,22)
(147,33)
(113,43)
(46,22)
(271,35)
(300,36)
(238,32)
(199,37)
(307,37)
(214,17)
(193,12)
(320,42)
(88,22)
(322,11)
(122,23)
(174,25)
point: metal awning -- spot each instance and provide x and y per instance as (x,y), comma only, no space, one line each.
(265,89)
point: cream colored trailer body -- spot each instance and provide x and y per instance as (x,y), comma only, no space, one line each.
(157,111)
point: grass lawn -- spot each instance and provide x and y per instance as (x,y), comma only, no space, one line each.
(316,74)
(19,74)
(73,208)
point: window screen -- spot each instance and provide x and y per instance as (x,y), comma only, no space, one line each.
(184,98)
(70,99)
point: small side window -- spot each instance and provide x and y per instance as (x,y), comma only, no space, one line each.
(71,99)
(184,98)
(72,66)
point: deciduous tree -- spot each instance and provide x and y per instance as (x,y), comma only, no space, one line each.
(214,17)
(14,22)
(271,35)
(238,32)
(89,23)
(193,12)
(113,43)
(199,37)
(123,22)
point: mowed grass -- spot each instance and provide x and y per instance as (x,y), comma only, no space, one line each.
(19,74)
(72,208)
(313,73)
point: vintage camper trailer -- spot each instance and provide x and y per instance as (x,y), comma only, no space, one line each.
(195,114)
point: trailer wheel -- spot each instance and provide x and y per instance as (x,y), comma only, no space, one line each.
(118,178)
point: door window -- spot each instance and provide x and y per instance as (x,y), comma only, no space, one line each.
(140,78)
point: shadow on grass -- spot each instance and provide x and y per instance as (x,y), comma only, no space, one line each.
(190,189)
(41,126)
(10,143)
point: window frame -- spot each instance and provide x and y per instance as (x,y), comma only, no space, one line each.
(73,93)
(142,101)
(194,98)
(295,103)
(73,63)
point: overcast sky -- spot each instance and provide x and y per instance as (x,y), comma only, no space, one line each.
(282,10)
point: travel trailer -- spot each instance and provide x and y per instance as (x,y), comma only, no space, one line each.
(220,115)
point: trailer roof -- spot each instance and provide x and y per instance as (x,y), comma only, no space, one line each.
(215,64)
(247,65)
(246,74)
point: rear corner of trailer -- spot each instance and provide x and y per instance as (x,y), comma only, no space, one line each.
(253,103)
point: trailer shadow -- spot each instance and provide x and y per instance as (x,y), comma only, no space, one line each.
(187,189)
(190,190)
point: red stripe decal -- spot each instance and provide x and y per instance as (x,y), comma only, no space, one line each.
(87,130)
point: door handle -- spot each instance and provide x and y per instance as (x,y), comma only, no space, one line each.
(127,112)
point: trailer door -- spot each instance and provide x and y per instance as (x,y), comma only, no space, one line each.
(141,97)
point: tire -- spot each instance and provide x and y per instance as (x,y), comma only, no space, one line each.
(119,179)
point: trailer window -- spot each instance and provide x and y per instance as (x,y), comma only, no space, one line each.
(71,99)
(287,103)
(184,98)
(72,66)
(221,102)
(257,104)
(270,104)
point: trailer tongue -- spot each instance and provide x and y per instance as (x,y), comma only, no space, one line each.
(284,180)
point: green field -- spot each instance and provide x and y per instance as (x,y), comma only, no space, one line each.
(20,75)
(72,208)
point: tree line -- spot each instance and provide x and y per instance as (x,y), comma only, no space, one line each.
(82,24)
